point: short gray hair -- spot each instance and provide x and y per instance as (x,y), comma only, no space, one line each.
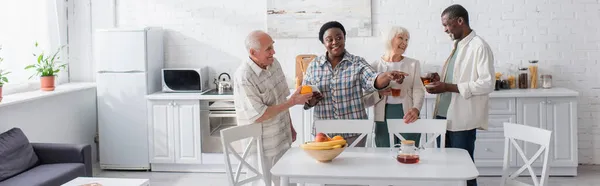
(391,33)
(252,40)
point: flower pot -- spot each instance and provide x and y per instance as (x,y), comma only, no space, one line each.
(0,93)
(47,83)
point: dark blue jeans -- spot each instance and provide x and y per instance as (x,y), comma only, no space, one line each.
(463,140)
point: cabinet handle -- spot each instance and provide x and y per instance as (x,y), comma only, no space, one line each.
(174,104)
(549,102)
(488,150)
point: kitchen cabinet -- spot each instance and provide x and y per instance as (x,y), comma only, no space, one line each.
(551,109)
(174,131)
(178,123)
(161,141)
(558,115)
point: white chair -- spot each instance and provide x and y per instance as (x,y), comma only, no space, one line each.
(237,133)
(364,127)
(436,127)
(513,132)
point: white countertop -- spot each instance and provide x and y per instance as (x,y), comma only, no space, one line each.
(553,92)
(185,96)
(521,93)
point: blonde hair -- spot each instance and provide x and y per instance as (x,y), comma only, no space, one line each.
(389,35)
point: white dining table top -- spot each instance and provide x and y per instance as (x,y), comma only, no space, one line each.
(378,163)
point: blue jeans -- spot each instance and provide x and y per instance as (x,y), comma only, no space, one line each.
(463,140)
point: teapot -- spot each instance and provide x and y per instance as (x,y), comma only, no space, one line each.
(408,152)
(223,84)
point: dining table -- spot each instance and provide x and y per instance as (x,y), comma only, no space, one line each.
(377,166)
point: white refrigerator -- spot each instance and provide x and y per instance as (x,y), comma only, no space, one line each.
(128,64)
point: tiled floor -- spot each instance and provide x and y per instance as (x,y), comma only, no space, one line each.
(588,176)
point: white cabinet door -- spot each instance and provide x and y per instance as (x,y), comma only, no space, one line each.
(489,146)
(531,112)
(308,123)
(496,126)
(297,116)
(187,132)
(562,118)
(161,139)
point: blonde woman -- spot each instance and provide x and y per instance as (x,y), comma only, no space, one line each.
(403,100)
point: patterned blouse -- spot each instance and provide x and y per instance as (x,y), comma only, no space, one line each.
(342,87)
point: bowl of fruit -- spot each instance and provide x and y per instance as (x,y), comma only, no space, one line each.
(324,149)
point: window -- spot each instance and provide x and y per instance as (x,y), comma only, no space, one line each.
(22,24)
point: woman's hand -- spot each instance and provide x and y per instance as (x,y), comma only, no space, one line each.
(411,116)
(385,78)
(316,97)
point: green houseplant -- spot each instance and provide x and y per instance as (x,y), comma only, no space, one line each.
(3,78)
(46,68)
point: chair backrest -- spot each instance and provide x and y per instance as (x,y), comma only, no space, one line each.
(364,127)
(302,62)
(513,132)
(255,145)
(432,128)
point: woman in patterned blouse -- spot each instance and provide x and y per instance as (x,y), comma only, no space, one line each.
(342,79)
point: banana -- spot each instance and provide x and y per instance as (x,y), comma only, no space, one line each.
(312,147)
(328,143)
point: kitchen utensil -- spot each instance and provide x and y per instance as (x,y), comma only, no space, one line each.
(223,84)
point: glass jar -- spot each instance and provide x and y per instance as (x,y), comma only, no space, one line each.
(409,153)
(504,84)
(523,78)
(533,73)
(546,81)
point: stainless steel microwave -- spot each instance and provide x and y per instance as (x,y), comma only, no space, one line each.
(184,79)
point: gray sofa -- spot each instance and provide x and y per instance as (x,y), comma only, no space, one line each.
(41,164)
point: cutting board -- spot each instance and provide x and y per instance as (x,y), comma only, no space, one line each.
(302,62)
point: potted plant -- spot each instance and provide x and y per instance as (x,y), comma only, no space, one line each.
(3,78)
(46,68)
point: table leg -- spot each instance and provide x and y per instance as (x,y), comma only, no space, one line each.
(285,181)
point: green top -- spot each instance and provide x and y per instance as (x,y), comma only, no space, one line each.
(446,97)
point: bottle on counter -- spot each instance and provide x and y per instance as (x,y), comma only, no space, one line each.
(523,78)
(533,73)
(498,82)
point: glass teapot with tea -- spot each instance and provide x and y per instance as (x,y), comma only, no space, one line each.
(408,152)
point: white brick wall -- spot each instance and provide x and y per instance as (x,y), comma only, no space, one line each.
(563,35)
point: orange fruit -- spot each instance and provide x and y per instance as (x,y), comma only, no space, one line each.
(338,137)
(306,89)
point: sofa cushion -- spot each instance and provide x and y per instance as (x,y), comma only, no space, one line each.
(48,174)
(16,154)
